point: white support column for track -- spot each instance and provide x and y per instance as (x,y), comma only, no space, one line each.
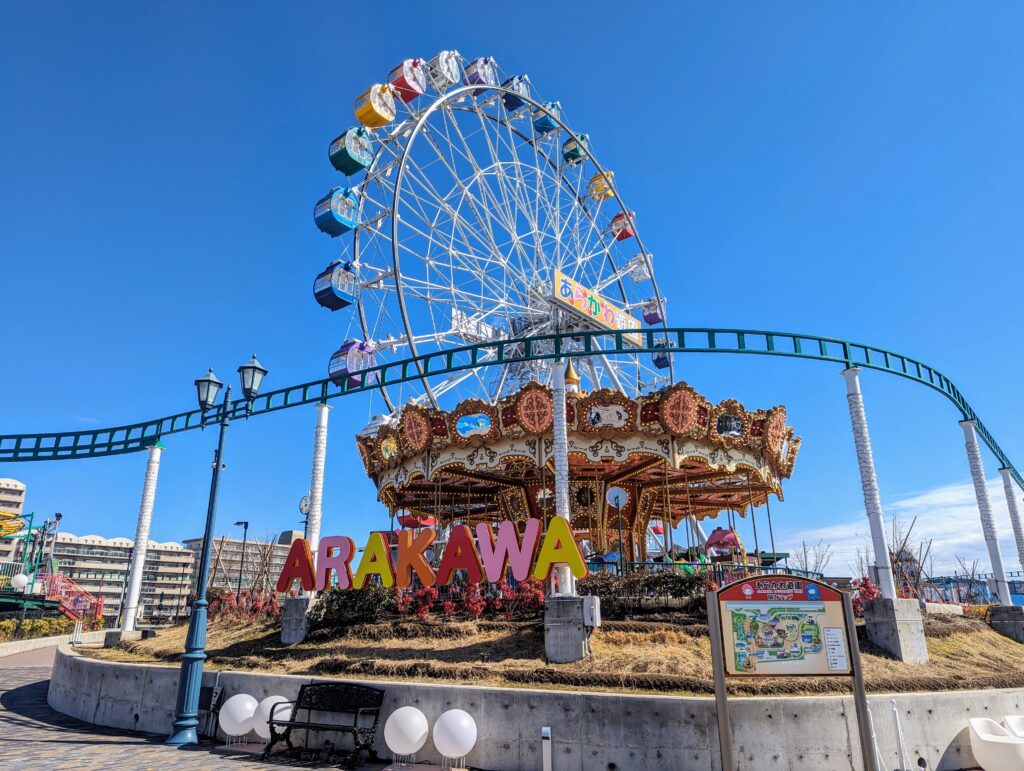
(988,523)
(869,483)
(1011,504)
(560,448)
(131,600)
(316,478)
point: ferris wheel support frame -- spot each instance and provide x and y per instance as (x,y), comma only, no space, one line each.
(455,96)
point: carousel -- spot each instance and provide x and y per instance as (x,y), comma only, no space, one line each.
(639,467)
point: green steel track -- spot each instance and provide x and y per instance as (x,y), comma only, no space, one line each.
(138,436)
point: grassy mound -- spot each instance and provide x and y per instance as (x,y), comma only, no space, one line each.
(645,656)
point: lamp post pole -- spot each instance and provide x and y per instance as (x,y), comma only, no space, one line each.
(241,561)
(186,712)
(622,545)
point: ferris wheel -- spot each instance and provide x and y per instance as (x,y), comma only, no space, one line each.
(473,213)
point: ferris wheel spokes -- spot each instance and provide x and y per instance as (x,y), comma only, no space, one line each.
(461,232)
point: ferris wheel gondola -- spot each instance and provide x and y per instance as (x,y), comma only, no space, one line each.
(470,225)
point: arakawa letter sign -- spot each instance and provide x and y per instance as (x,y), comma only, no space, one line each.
(484,557)
(783,626)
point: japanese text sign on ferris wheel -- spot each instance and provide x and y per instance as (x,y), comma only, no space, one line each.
(592,306)
(783,626)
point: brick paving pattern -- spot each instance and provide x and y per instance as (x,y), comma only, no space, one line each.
(34,736)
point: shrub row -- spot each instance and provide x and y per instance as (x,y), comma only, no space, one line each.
(35,627)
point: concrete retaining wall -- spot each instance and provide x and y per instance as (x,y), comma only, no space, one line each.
(104,637)
(590,730)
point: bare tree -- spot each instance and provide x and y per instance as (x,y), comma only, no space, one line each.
(862,562)
(909,560)
(968,588)
(813,558)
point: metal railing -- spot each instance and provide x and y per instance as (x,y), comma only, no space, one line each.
(720,572)
(75,602)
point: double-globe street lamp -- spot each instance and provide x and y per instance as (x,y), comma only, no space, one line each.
(186,712)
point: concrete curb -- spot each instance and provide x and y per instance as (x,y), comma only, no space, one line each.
(105,637)
(589,730)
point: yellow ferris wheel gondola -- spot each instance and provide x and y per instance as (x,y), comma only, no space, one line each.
(600,185)
(375,107)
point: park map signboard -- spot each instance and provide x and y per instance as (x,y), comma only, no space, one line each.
(783,626)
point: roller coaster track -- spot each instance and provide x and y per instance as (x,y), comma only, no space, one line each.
(138,436)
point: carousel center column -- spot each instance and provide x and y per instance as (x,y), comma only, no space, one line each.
(893,624)
(565,632)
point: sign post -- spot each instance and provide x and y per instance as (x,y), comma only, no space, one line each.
(784,626)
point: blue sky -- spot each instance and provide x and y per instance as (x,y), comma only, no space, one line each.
(823,168)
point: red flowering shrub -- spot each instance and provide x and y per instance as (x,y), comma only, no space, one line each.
(423,602)
(864,589)
(248,608)
(402,600)
(448,609)
(472,601)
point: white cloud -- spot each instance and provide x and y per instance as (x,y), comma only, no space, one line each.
(946,515)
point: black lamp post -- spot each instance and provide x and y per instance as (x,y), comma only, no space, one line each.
(241,562)
(186,713)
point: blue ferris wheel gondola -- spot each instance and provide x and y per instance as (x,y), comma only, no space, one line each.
(662,359)
(348,361)
(520,85)
(545,121)
(335,288)
(352,151)
(337,212)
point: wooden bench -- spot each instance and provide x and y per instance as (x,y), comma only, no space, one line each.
(358,703)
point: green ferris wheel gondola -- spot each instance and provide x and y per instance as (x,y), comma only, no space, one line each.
(351,152)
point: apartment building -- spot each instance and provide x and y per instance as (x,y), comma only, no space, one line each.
(12,496)
(100,566)
(262,563)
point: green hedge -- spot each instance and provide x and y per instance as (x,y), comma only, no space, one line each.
(35,627)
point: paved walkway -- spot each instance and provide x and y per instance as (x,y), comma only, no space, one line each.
(41,657)
(34,736)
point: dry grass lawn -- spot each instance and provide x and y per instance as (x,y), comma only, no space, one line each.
(627,655)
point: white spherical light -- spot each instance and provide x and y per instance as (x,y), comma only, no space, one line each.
(455,733)
(261,718)
(405,731)
(19,581)
(236,714)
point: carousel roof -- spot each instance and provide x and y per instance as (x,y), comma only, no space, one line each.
(677,453)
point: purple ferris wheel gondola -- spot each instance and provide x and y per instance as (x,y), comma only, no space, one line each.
(654,311)
(335,287)
(482,71)
(348,362)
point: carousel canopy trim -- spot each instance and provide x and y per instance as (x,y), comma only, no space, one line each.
(676,452)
